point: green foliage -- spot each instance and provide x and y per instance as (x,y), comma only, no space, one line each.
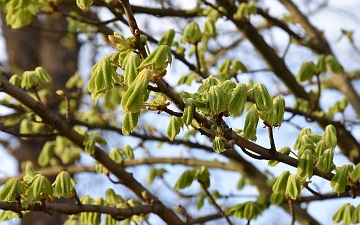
(189,111)
(293,188)
(276,115)
(325,163)
(251,122)
(185,180)
(281,182)
(248,210)
(218,144)
(129,122)
(334,65)
(339,181)
(192,33)
(167,38)
(64,185)
(174,127)
(155,172)
(305,165)
(101,78)
(237,100)
(9,190)
(133,98)
(82,4)
(284,150)
(262,97)
(89,141)
(307,71)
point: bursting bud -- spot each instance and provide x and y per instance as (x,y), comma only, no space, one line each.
(251,122)
(262,97)
(293,187)
(15,80)
(338,182)
(216,100)
(325,162)
(281,181)
(188,111)
(237,100)
(330,136)
(218,144)
(133,98)
(29,80)
(305,164)
(192,33)
(276,114)
(284,150)
(43,75)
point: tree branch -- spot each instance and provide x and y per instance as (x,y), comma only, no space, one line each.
(70,209)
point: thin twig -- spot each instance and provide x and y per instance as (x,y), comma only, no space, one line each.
(218,208)
(292,211)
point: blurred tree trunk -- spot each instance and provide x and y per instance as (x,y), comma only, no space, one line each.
(51,47)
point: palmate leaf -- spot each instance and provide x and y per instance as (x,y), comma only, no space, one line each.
(101,78)
(158,59)
(20,13)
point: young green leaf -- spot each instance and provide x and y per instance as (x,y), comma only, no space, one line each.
(305,165)
(262,97)
(334,65)
(131,68)
(339,215)
(9,190)
(64,185)
(276,115)
(116,155)
(281,182)
(167,38)
(133,97)
(192,33)
(325,163)
(303,132)
(189,111)
(355,174)
(129,122)
(276,198)
(284,150)
(218,144)
(101,78)
(237,100)
(128,152)
(29,80)
(82,4)
(216,100)
(43,75)
(158,59)
(40,189)
(210,28)
(15,80)
(251,122)
(174,127)
(185,180)
(46,154)
(237,65)
(307,71)
(321,64)
(330,136)
(338,182)
(293,187)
